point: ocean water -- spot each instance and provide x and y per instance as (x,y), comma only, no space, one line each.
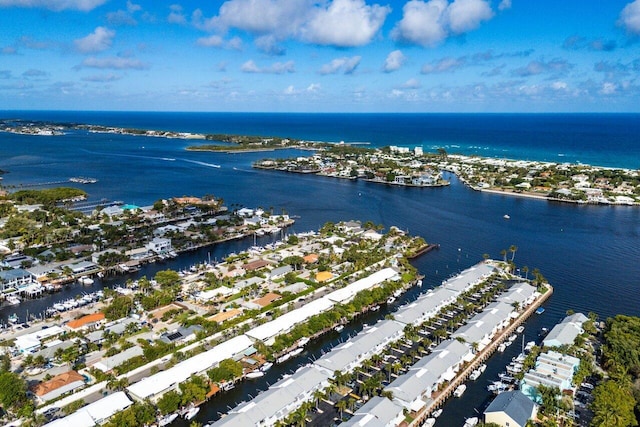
(589,253)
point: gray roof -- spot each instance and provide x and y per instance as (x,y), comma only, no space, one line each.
(280,271)
(416,311)
(468,277)
(13,274)
(565,332)
(108,363)
(483,323)
(364,343)
(515,404)
(273,401)
(519,293)
(377,412)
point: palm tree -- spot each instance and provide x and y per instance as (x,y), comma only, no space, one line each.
(485,256)
(341,406)
(525,270)
(317,396)
(513,249)
(504,255)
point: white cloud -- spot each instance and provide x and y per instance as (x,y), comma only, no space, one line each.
(99,40)
(443,65)
(559,85)
(121,17)
(57,5)
(630,17)
(466,15)
(556,66)
(117,63)
(345,65)
(427,23)
(608,88)
(278,17)
(211,41)
(176,16)
(269,45)
(504,5)
(340,23)
(345,23)
(313,87)
(276,68)
(132,7)
(412,84)
(394,61)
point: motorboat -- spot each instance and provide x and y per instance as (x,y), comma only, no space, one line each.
(459,391)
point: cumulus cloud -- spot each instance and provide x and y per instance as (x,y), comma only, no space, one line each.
(291,90)
(210,41)
(556,66)
(269,45)
(559,85)
(176,16)
(504,5)
(99,40)
(345,23)
(466,15)
(394,61)
(116,62)
(411,84)
(343,65)
(630,17)
(444,65)
(340,23)
(608,88)
(429,22)
(56,5)
(276,68)
(281,18)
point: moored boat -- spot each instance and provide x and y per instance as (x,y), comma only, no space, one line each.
(266,366)
(338,328)
(470,422)
(255,374)
(191,412)
(436,413)
(459,391)
(167,419)
(520,329)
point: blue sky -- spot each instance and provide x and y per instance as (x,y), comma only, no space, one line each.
(321,55)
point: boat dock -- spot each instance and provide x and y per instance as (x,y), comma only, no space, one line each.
(481,357)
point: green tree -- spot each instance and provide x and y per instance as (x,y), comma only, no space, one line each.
(169,402)
(613,405)
(167,278)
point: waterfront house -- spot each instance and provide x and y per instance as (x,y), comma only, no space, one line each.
(552,369)
(280,272)
(96,413)
(154,386)
(346,357)
(281,399)
(32,342)
(15,279)
(57,386)
(159,245)
(510,409)
(425,307)
(90,321)
(565,332)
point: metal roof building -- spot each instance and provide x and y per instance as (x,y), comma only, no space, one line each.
(377,412)
(154,386)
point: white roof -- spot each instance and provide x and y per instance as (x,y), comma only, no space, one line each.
(162,381)
(33,339)
(288,320)
(95,413)
(106,407)
(77,419)
(108,363)
(349,291)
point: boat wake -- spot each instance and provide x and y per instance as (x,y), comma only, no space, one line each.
(209,165)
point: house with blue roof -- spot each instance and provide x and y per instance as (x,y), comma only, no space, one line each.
(510,409)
